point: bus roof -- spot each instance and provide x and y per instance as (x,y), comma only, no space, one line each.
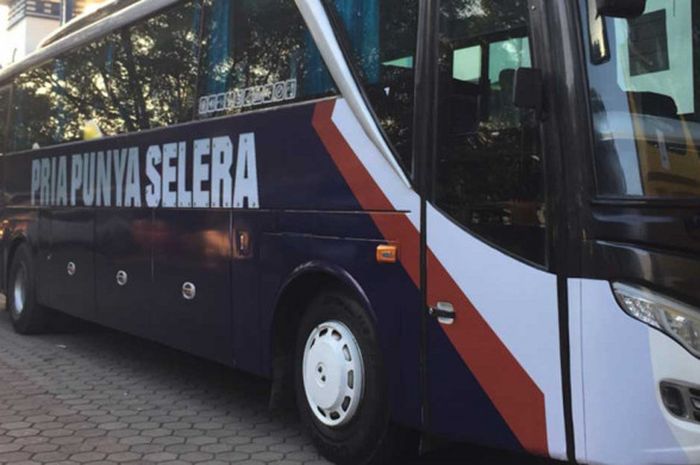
(85,28)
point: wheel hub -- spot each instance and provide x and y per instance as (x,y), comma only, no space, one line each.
(19,292)
(333,373)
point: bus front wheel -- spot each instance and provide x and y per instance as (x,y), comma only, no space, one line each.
(27,316)
(341,384)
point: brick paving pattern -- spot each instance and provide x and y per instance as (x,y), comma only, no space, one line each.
(98,397)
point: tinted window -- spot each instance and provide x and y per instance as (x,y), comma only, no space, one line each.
(100,87)
(489,167)
(645,100)
(258,53)
(4,115)
(165,55)
(34,115)
(136,78)
(382,38)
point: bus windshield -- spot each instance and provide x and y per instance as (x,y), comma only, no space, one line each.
(645,99)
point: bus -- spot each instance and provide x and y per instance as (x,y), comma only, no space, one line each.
(424,220)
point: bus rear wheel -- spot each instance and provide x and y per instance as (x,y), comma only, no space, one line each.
(340,383)
(26,315)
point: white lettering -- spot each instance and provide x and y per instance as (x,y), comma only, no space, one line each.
(169,175)
(104,179)
(45,182)
(120,157)
(221,163)
(200,173)
(62,185)
(88,179)
(153,189)
(174,178)
(133,180)
(76,178)
(36,179)
(184,197)
(53,181)
(245,193)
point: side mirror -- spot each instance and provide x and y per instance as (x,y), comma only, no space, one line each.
(621,8)
(528,89)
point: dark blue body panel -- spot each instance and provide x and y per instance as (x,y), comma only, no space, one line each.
(193,246)
(307,214)
(123,241)
(460,409)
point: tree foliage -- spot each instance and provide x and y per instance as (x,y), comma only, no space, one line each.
(136,78)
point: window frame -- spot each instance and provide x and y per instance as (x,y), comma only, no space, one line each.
(588,60)
(10,80)
(539,59)
(333,92)
(94,32)
(411,173)
(9,90)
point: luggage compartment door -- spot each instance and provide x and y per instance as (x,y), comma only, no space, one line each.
(192,299)
(71,261)
(123,248)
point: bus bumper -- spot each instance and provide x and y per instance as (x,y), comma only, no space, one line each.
(618,367)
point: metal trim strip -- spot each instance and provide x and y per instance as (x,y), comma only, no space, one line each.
(88,34)
(320,27)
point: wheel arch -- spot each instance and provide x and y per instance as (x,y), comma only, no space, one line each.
(303,284)
(14,244)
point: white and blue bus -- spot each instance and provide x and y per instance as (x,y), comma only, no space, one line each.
(474,219)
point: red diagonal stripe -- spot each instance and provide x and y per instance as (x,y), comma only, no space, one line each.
(514,394)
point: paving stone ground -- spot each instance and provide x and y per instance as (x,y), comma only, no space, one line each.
(95,397)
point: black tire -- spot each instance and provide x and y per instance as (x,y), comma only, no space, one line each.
(27,316)
(369,437)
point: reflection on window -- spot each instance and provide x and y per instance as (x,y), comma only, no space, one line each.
(382,39)
(489,170)
(163,55)
(466,64)
(34,119)
(648,43)
(4,115)
(598,37)
(258,53)
(645,104)
(134,79)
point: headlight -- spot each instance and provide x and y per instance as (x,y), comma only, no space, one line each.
(678,320)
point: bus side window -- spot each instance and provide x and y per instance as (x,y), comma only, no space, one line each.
(105,69)
(164,51)
(53,102)
(256,54)
(79,76)
(382,37)
(488,172)
(133,79)
(4,117)
(136,78)
(33,122)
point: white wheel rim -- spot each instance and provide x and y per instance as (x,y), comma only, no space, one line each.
(19,292)
(333,373)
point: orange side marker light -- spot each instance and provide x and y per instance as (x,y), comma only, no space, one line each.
(387,253)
